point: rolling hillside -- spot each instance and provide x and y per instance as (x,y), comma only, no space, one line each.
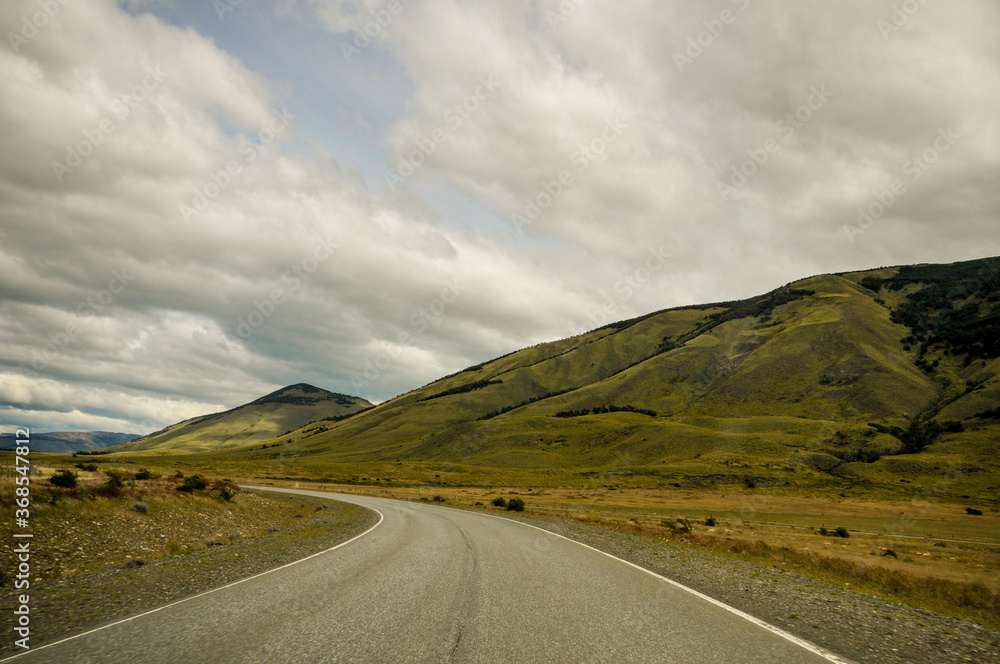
(265,418)
(877,377)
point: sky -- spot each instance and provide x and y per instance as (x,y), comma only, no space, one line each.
(202,201)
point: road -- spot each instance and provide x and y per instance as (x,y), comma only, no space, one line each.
(434,584)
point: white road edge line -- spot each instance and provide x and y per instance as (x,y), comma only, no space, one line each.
(381,518)
(811,647)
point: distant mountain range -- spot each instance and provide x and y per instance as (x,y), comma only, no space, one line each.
(267,417)
(67,442)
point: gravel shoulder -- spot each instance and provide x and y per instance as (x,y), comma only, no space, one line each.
(69,605)
(851,624)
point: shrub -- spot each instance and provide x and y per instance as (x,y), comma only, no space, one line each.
(179,475)
(438,499)
(144,474)
(678,526)
(499,502)
(91,467)
(841,532)
(64,478)
(710,521)
(193,483)
(515,505)
(228,490)
(973,511)
(141,508)
(823,531)
(115,483)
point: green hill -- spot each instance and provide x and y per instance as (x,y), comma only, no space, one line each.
(270,416)
(875,377)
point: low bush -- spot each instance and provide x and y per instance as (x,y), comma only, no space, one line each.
(114,484)
(678,526)
(141,508)
(64,478)
(710,521)
(515,505)
(193,483)
(144,474)
(499,502)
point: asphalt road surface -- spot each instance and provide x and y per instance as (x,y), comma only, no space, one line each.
(433,584)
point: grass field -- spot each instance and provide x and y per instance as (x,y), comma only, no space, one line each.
(91,526)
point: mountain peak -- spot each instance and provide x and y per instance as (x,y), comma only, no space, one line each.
(268,417)
(305,394)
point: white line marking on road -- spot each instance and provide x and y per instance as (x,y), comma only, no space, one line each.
(381,517)
(811,647)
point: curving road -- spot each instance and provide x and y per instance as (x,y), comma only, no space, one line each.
(433,584)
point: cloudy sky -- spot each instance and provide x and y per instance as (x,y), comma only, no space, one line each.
(202,201)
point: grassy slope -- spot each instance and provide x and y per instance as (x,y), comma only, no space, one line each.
(268,417)
(780,395)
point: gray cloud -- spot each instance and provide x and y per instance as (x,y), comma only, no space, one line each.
(822,107)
